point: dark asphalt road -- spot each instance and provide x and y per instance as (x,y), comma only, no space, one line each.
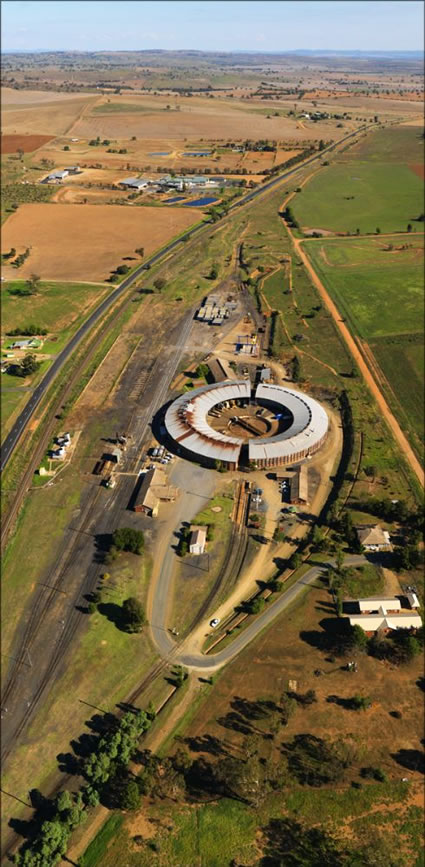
(18,428)
(212,662)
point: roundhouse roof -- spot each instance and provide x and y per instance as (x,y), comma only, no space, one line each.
(186,421)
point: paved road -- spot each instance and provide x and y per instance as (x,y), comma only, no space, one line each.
(201,662)
(18,428)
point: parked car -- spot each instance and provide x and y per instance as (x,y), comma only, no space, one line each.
(215,622)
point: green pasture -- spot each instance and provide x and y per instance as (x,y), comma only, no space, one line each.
(380,291)
(124,108)
(362,195)
(402,362)
(55,307)
(397,144)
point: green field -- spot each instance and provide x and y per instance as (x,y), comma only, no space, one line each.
(380,291)
(360,195)
(124,108)
(371,186)
(402,361)
(55,307)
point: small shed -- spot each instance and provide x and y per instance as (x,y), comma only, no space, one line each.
(198,539)
(299,486)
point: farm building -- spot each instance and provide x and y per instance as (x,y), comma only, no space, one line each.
(413,600)
(384,613)
(56,177)
(298,486)
(134,183)
(31,343)
(375,603)
(197,541)
(153,488)
(374,538)
(73,170)
(386,622)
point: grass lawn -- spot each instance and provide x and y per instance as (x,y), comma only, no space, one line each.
(367,580)
(98,847)
(12,402)
(360,195)
(193,581)
(55,307)
(380,291)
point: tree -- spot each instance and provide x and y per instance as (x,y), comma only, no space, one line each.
(33,283)
(159,283)
(127,539)
(294,561)
(214,272)
(378,231)
(67,148)
(140,251)
(296,369)
(28,365)
(360,702)
(257,605)
(122,269)
(133,614)
(291,844)
(20,153)
(339,559)
(409,227)
(130,796)
(321,145)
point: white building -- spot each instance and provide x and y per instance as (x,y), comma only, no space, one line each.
(134,183)
(198,539)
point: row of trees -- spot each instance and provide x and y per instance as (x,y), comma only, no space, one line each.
(107,778)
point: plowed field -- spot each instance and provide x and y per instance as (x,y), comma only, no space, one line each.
(87,242)
(29,143)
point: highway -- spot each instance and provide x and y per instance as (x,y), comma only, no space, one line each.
(212,662)
(12,439)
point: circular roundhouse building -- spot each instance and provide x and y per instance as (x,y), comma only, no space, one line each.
(231,424)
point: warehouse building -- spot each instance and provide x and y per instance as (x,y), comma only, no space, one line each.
(134,183)
(153,488)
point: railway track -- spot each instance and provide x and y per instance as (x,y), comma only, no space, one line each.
(234,556)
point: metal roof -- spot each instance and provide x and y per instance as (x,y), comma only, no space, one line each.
(186,421)
(309,426)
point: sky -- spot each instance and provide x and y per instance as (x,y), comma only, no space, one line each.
(212,25)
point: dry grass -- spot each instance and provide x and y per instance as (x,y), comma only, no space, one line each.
(280,654)
(73,242)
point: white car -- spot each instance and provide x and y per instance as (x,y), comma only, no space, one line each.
(215,622)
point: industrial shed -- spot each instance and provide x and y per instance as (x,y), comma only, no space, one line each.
(153,488)
(186,421)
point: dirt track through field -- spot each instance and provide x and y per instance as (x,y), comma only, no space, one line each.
(363,367)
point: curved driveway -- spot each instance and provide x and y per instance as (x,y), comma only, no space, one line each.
(203,662)
(18,428)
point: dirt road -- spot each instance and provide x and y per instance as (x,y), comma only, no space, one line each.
(363,367)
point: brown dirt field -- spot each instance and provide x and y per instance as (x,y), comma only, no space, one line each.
(55,117)
(29,143)
(418,169)
(10,97)
(86,242)
(191,122)
(74,196)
